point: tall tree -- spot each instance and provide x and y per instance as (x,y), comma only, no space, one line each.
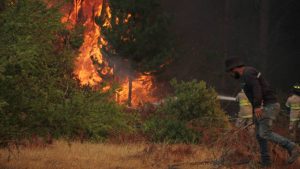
(38,93)
(264,32)
(34,73)
(139,32)
(227,25)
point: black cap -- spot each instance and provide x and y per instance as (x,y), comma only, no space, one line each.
(296,88)
(233,63)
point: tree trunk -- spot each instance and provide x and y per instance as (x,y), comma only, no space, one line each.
(227,22)
(2,6)
(129,90)
(226,40)
(264,33)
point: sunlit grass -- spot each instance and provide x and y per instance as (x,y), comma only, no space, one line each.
(61,155)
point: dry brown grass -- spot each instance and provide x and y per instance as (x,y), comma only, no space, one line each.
(60,155)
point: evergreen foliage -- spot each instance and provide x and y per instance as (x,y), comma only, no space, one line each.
(38,93)
(140,33)
(193,107)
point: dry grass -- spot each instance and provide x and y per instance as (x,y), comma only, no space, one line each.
(60,155)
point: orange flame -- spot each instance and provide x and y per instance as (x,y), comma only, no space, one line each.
(85,70)
(71,18)
(142,91)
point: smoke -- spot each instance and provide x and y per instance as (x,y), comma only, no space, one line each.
(122,67)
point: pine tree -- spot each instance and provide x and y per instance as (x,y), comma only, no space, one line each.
(139,32)
(38,92)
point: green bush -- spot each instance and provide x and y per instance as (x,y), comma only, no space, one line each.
(170,130)
(38,92)
(184,116)
(95,116)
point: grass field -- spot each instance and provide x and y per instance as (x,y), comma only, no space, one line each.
(62,155)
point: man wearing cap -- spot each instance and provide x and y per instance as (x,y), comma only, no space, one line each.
(265,106)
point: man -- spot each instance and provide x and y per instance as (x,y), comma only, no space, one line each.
(245,112)
(293,103)
(266,108)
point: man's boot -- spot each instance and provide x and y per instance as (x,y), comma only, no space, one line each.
(295,153)
(265,164)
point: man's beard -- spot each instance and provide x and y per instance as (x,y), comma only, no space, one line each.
(235,75)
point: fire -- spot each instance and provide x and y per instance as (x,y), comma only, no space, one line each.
(85,70)
(92,74)
(72,17)
(142,91)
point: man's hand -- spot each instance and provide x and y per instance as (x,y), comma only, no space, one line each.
(258,113)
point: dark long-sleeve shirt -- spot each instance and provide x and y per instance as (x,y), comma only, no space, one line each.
(257,88)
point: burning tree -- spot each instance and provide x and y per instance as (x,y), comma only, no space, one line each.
(138,33)
(83,12)
(98,62)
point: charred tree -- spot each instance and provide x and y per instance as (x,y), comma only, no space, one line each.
(129,90)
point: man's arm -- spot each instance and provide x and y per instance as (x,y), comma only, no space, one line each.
(253,82)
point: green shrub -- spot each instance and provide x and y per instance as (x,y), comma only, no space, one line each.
(38,92)
(95,116)
(170,130)
(183,117)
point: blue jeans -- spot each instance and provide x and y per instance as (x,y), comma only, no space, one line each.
(263,131)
